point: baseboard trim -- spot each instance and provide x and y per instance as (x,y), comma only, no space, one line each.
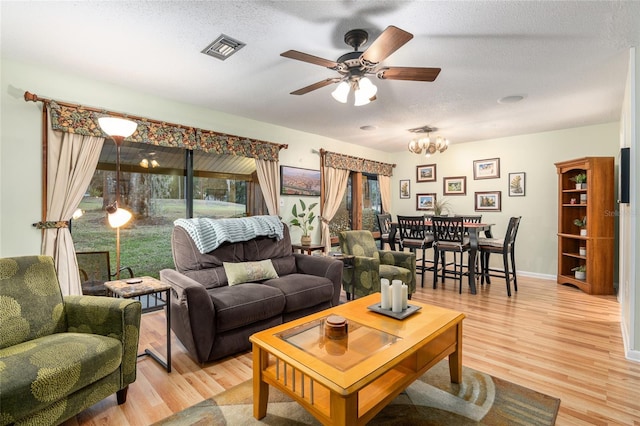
(532,275)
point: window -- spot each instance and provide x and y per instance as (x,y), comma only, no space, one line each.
(155,188)
(350,216)
(371,202)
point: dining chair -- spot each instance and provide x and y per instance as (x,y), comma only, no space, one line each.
(472,219)
(413,235)
(449,236)
(384,225)
(506,246)
(95,269)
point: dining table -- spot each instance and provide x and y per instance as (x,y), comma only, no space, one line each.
(472,229)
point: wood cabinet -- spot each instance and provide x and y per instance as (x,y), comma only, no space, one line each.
(595,202)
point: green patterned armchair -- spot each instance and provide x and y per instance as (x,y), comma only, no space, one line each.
(371,264)
(60,355)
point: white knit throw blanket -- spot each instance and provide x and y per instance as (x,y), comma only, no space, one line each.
(208,234)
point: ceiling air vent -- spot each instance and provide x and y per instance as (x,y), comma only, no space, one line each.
(223,47)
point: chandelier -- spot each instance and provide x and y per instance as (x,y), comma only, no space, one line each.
(426,143)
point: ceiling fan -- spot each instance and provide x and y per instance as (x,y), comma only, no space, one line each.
(353,67)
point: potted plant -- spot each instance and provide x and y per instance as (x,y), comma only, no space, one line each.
(581,180)
(582,223)
(303,218)
(580,272)
(441,206)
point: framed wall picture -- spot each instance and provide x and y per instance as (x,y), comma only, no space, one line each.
(405,188)
(488,201)
(456,185)
(517,184)
(425,201)
(297,181)
(426,173)
(486,169)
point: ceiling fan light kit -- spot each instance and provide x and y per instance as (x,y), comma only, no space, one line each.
(342,92)
(354,67)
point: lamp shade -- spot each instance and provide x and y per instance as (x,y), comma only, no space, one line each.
(368,87)
(342,92)
(117,216)
(77,214)
(114,126)
(365,91)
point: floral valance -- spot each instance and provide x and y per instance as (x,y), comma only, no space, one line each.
(355,164)
(84,121)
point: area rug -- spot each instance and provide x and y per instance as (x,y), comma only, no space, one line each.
(431,400)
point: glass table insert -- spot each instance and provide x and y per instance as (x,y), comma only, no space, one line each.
(360,342)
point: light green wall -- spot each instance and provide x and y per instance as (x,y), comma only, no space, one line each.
(20,159)
(20,143)
(534,154)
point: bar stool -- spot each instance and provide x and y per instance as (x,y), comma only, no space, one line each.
(506,246)
(414,236)
(448,235)
(384,225)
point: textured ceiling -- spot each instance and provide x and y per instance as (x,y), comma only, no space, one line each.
(568,59)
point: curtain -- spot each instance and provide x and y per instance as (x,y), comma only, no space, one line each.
(269,178)
(335,183)
(384,182)
(71,162)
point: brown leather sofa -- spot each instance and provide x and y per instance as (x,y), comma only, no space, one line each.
(214,320)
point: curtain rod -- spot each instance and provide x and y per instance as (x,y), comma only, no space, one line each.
(31,97)
(324,151)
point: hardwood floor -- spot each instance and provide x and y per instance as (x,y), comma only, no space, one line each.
(554,339)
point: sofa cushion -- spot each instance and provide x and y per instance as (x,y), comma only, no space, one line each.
(261,248)
(186,256)
(302,291)
(42,371)
(244,272)
(245,304)
(284,265)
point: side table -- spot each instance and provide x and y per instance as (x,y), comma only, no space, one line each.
(347,260)
(306,249)
(146,286)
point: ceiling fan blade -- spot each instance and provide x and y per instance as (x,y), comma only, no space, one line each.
(315,86)
(408,73)
(391,39)
(305,57)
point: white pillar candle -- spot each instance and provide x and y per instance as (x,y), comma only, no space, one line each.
(405,297)
(385,295)
(396,296)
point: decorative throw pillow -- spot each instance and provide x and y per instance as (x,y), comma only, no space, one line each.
(244,272)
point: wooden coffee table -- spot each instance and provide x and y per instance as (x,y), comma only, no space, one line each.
(348,381)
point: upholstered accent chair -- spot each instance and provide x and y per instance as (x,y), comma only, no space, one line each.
(60,355)
(371,264)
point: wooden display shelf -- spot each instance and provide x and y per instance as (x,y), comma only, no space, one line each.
(575,255)
(598,209)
